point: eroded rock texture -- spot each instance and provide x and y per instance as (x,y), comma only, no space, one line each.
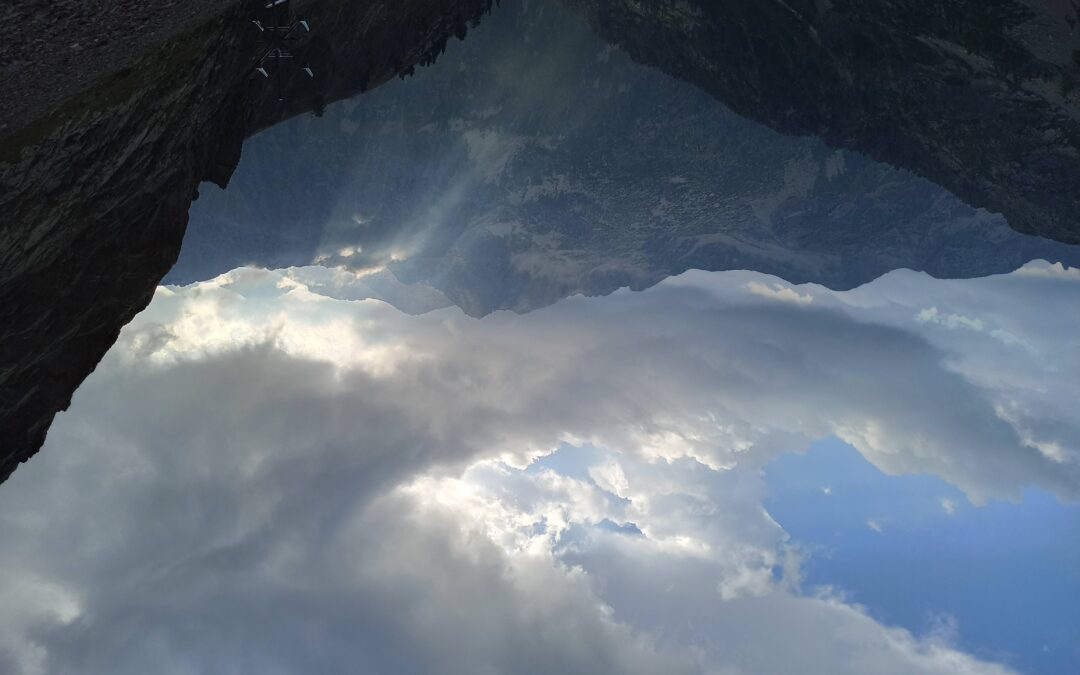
(95,187)
(980,96)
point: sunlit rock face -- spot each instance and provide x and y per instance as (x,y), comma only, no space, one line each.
(536,161)
(980,96)
(96,179)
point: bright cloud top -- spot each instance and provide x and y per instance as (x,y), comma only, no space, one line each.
(263,478)
(702,367)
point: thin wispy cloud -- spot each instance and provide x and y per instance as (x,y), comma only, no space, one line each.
(948,506)
(778,292)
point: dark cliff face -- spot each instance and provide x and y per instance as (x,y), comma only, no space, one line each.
(980,96)
(95,190)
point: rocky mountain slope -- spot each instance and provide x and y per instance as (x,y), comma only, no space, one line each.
(94,190)
(535,161)
(980,96)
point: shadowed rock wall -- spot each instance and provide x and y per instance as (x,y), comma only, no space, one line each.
(94,191)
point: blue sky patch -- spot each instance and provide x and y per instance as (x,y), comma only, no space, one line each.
(916,553)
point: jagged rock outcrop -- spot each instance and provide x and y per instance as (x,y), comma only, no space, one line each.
(95,189)
(980,96)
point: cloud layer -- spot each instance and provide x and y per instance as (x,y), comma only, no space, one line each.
(260,478)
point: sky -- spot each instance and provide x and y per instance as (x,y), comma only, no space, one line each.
(916,553)
(722,474)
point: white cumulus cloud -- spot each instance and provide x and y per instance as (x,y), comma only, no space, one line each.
(265,479)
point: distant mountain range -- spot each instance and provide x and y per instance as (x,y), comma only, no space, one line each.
(534,161)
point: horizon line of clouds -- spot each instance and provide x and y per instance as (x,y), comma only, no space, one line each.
(994,380)
(244,455)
